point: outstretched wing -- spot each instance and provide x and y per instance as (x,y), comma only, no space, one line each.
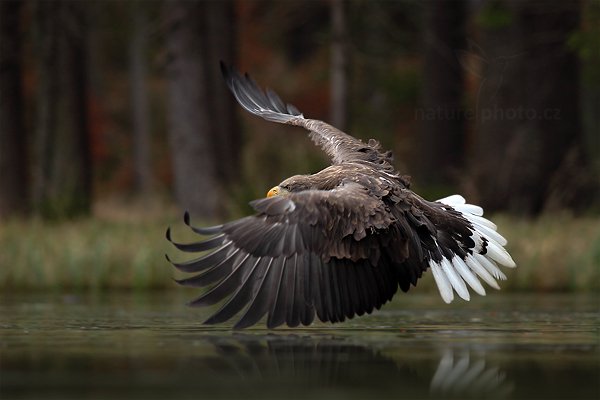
(339,146)
(340,253)
(305,253)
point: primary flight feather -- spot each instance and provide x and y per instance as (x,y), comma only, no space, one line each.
(337,243)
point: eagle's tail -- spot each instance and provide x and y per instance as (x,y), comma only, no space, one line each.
(451,274)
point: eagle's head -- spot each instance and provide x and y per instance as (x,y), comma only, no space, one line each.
(296,183)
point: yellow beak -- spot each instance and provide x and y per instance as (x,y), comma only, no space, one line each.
(273,192)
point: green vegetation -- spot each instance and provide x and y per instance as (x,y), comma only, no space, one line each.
(118,248)
(553,252)
(124,247)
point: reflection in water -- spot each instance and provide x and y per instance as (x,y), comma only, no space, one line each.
(327,361)
(460,375)
(334,362)
(129,347)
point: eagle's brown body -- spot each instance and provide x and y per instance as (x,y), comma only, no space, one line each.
(340,242)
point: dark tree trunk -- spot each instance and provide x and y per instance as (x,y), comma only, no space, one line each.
(190,136)
(142,167)
(528,114)
(442,141)
(63,162)
(220,36)
(14,194)
(339,65)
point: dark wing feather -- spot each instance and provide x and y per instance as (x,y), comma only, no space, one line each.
(227,285)
(308,309)
(280,262)
(242,294)
(264,291)
(279,303)
(293,317)
(339,146)
(204,262)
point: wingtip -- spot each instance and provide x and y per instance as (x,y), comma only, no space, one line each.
(168,234)
(209,321)
(448,299)
(238,326)
(179,281)
(271,324)
(191,304)
(186,218)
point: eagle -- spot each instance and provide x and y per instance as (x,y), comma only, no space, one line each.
(338,243)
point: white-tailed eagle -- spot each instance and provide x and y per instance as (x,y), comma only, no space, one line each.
(340,242)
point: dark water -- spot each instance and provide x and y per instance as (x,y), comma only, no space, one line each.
(151,346)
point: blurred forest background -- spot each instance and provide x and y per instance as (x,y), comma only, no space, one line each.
(114,119)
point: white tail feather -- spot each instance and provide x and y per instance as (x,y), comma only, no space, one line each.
(481,272)
(456,274)
(467,275)
(481,221)
(455,199)
(490,266)
(455,280)
(442,282)
(491,234)
(498,254)
(469,208)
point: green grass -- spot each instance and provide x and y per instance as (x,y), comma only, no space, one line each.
(123,248)
(117,248)
(553,253)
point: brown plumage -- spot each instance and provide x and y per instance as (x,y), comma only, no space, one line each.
(340,242)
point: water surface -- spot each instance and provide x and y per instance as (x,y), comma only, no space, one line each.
(125,345)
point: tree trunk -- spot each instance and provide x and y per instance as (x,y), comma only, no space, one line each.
(14,193)
(220,36)
(63,168)
(339,65)
(142,167)
(194,163)
(442,141)
(528,114)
